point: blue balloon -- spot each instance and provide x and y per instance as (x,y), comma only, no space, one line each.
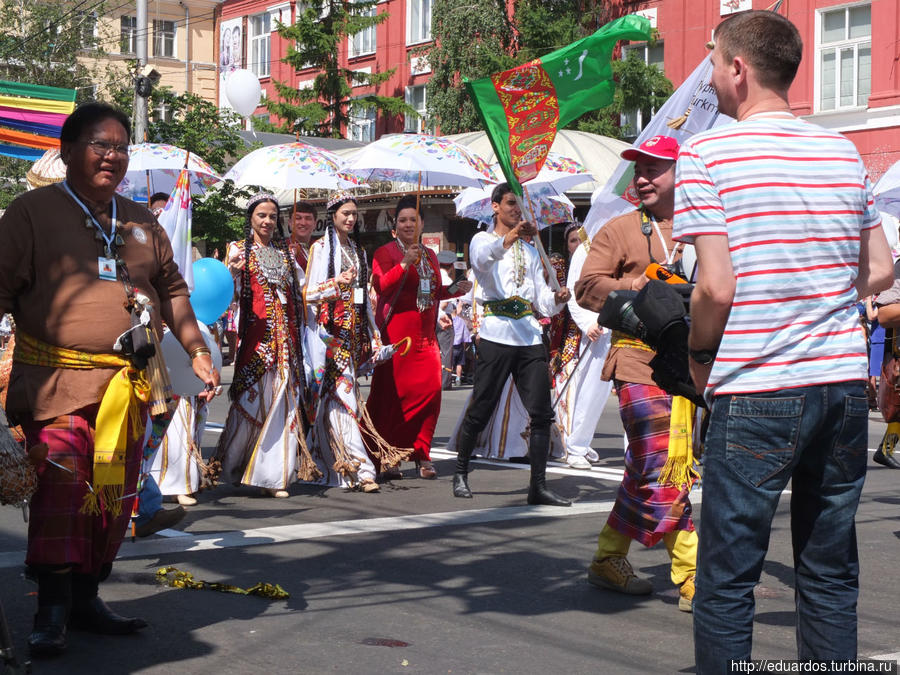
(213,290)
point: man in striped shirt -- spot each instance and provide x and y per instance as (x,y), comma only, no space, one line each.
(787,238)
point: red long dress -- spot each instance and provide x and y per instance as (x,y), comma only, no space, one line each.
(405,398)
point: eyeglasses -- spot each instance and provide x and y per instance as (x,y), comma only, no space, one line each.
(103,148)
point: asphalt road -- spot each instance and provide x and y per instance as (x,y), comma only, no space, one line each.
(412,580)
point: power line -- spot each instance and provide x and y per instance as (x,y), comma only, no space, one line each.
(29,38)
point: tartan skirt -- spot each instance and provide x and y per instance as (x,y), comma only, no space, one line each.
(58,533)
(645,510)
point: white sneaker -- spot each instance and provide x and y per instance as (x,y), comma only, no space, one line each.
(591,455)
(578,463)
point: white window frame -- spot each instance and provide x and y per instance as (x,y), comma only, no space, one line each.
(365,41)
(165,38)
(361,128)
(416,124)
(259,63)
(91,21)
(421,33)
(127,34)
(636,115)
(837,47)
(163,113)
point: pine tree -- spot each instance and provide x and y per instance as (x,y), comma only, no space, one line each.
(314,41)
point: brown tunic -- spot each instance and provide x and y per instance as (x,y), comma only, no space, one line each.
(617,256)
(49,281)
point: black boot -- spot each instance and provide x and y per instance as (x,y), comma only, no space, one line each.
(885,459)
(91,614)
(465,443)
(538,450)
(48,638)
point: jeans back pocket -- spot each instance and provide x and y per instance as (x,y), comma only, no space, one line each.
(851,446)
(761,435)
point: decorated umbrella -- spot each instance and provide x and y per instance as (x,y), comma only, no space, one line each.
(292,165)
(422,159)
(887,191)
(155,167)
(545,204)
(561,172)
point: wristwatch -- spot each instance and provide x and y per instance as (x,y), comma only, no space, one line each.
(703,356)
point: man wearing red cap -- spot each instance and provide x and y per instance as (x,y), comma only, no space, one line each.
(645,509)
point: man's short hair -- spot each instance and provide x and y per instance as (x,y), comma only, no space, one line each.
(305,207)
(159,197)
(88,114)
(500,192)
(767,41)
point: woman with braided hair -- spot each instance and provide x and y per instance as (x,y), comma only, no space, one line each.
(341,336)
(260,445)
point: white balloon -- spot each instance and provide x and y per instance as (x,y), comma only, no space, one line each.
(243,92)
(178,363)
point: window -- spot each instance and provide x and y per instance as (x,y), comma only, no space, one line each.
(163,38)
(128,32)
(418,21)
(260,34)
(415,96)
(87,29)
(845,57)
(363,42)
(163,113)
(632,121)
(361,125)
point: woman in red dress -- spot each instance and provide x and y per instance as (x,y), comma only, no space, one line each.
(405,398)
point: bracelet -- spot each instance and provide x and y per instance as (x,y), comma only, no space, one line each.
(200,351)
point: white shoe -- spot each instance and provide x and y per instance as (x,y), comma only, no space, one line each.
(591,455)
(578,463)
(186,500)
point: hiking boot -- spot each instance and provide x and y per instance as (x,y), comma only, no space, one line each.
(686,595)
(615,573)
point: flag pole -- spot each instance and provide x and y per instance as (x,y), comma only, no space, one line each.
(551,273)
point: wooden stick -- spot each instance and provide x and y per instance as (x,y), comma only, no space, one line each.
(551,272)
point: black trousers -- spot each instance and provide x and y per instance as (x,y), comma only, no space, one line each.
(494,362)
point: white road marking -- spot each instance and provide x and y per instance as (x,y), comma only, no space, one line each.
(281,534)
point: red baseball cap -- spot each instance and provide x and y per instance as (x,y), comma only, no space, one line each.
(661,147)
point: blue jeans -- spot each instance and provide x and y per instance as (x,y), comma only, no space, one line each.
(149,501)
(815,437)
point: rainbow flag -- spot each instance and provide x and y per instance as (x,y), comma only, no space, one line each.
(31,118)
(523,107)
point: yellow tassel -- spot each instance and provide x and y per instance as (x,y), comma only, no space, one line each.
(891,436)
(679,121)
(679,467)
(175,578)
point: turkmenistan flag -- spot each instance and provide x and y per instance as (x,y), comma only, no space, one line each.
(523,107)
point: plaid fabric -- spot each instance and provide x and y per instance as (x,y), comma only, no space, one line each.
(644,509)
(57,532)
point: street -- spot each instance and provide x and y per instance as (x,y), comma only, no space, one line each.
(412,580)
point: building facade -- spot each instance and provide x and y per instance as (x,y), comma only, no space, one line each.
(247,39)
(180,43)
(849,79)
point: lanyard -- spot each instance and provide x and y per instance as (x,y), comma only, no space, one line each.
(109,239)
(645,228)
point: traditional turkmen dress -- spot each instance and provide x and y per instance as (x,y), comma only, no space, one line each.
(260,443)
(177,464)
(339,339)
(579,393)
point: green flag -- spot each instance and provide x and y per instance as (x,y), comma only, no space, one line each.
(523,107)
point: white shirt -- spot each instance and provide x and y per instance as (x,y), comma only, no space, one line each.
(496,274)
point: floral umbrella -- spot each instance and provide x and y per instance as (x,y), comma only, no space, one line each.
(546,206)
(155,167)
(292,165)
(559,171)
(422,159)
(887,191)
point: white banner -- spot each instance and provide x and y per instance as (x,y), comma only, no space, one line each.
(692,108)
(230,54)
(176,221)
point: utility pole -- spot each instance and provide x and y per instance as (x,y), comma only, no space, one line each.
(141,92)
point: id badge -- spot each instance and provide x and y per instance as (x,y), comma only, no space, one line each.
(425,285)
(106,268)
(357,296)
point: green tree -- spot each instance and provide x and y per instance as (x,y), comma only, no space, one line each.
(313,42)
(43,43)
(471,40)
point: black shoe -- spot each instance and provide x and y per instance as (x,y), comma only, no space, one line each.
(161,520)
(539,494)
(49,635)
(885,460)
(97,617)
(461,486)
